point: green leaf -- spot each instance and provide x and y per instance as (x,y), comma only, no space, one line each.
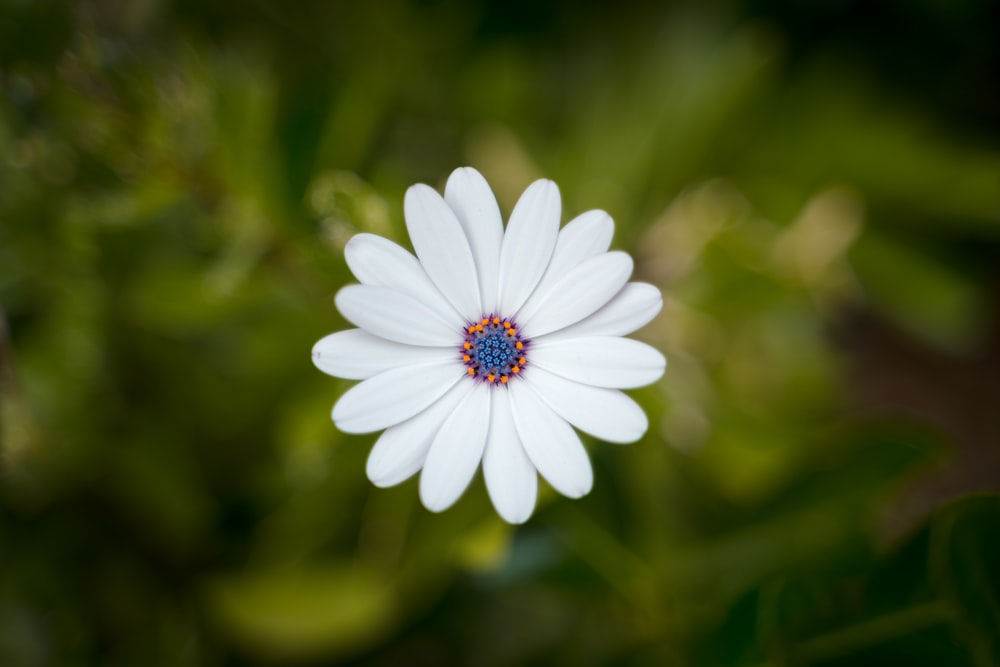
(964,552)
(304,613)
(930,300)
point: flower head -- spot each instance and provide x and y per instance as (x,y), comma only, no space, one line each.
(490,345)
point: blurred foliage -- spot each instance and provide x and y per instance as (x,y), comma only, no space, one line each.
(816,189)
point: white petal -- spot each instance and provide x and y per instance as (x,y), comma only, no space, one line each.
(528,243)
(393,396)
(577,294)
(392,315)
(631,309)
(510,476)
(470,197)
(357,355)
(607,414)
(379,262)
(443,249)
(585,236)
(456,451)
(551,444)
(400,452)
(602,361)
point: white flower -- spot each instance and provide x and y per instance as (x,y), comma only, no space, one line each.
(490,345)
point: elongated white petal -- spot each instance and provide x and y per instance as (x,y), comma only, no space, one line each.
(443,249)
(456,451)
(631,309)
(393,396)
(357,355)
(551,444)
(604,413)
(601,361)
(510,476)
(585,236)
(392,315)
(528,243)
(470,197)
(379,262)
(580,292)
(401,450)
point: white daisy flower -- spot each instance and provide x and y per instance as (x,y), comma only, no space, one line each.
(490,345)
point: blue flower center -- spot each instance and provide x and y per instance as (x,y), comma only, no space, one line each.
(493,350)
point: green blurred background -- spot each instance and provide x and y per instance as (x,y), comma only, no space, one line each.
(814,186)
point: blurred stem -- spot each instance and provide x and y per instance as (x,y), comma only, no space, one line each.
(628,573)
(875,631)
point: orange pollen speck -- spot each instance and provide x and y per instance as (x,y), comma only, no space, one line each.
(491,377)
(466,357)
(518,345)
(496,320)
(512,332)
(503,379)
(516,369)
(471,329)
(485,322)
(506,324)
(468,345)
(522,361)
(472,371)
(479,327)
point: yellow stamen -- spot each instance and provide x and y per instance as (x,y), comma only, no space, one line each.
(512,332)
(496,320)
(503,379)
(485,322)
(516,369)
(522,361)
(518,345)
(468,345)
(472,371)
(471,329)
(466,357)
(491,377)
(506,324)
(479,327)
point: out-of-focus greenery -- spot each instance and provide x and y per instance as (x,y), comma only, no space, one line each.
(815,188)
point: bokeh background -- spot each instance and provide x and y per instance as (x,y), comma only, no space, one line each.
(814,186)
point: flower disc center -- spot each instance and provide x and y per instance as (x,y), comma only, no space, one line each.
(493,350)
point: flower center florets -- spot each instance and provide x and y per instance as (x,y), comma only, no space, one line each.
(493,350)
